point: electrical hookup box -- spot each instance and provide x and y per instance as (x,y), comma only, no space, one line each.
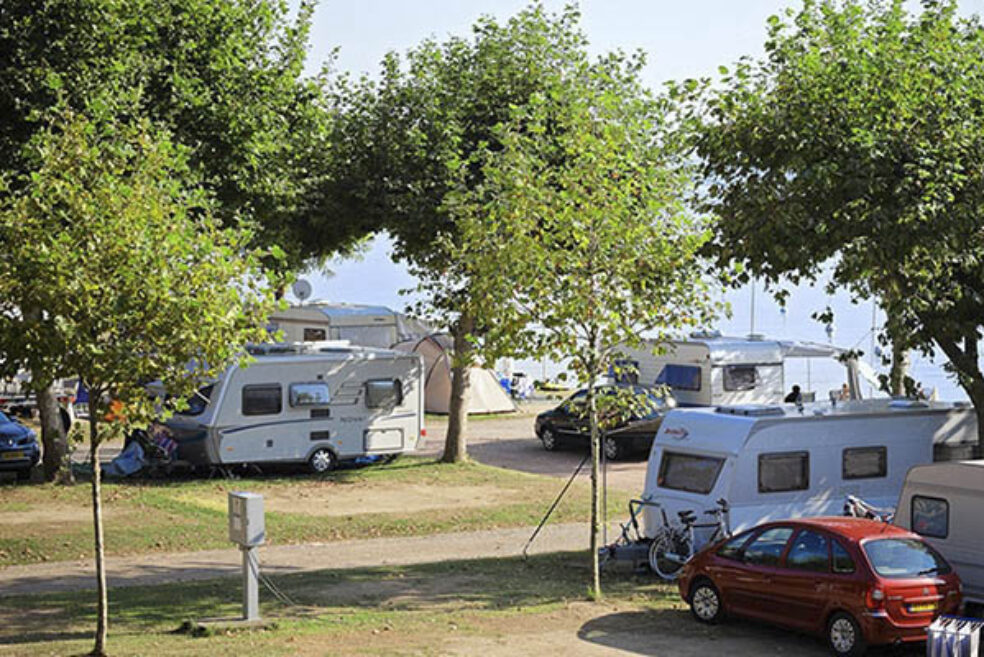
(246,519)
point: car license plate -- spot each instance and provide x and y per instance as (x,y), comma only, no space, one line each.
(922,608)
(10,456)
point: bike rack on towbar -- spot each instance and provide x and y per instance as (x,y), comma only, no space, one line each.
(631,545)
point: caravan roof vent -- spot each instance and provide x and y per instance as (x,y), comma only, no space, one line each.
(751,410)
(907,403)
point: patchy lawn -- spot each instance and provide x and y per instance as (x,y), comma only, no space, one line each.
(488,607)
(413,496)
(386,610)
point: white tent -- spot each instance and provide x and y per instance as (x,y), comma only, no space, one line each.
(379,326)
(486,395)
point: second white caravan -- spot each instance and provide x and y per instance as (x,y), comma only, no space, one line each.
(318,403)
(773,462)
(943,503)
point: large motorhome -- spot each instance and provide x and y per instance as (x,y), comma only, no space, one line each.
(710,369)
(943,503)
(318,403)
(784,461)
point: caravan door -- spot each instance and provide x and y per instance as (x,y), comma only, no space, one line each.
(384,398)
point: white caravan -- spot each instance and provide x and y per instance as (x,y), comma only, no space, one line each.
(368,326)
(784,461)
(943,502)
(710,369)
(316,403)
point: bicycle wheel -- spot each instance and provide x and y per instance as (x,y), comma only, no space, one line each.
(667,554)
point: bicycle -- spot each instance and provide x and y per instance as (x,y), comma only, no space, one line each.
(631,543)
(855,507)
(674,546)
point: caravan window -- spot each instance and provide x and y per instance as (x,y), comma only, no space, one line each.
(740,377)
(689,472)
(382,393)
(930,516)
(680,377)
(263,399)
(864,462)
(315,393)
(784,471)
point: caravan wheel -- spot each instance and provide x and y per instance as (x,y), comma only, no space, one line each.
(321,461)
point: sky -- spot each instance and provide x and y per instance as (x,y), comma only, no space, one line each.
(681,39)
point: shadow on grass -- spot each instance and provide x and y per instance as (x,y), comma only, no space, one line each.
(477,584)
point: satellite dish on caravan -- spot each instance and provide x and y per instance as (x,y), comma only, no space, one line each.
(301,289)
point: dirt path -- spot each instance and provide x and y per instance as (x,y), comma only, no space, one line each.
(148,570)
(509,442)
(598,630)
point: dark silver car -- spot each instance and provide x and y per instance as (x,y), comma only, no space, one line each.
(639,414)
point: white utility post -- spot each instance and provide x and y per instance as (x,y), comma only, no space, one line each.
(246,528)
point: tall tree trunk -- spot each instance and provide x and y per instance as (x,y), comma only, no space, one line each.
(900,368)
(52,433)
(455,446)
(595,487)
(102,621)
(53,436)
(966,362)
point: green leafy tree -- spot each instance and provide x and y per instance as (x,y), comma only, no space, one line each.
(135,275)
(858,140)
(399,143)
(224,77)
(579,234)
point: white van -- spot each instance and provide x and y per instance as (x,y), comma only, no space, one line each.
(317,403)
(944,502)
(781,461)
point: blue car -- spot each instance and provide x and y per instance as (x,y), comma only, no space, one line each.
(19,449)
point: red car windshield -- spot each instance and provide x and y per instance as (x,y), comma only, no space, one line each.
(904,557)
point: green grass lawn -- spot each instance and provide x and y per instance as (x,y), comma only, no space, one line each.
(50,522)
(399,607)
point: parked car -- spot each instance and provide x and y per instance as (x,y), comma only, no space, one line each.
(857,582)
(19,449)
(633,431)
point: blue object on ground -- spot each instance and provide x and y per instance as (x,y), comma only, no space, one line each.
(130,460)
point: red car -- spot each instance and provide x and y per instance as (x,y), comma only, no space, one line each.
(855,581)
